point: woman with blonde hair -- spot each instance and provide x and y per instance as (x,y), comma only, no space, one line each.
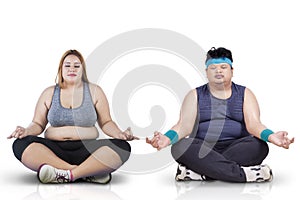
(70,149)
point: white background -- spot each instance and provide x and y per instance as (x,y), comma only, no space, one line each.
(262,35)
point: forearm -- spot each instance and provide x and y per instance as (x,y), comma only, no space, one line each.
(256,129)
(111,129)
(34,129)
(177,132)
(188,116)
(252,117)
(182,131)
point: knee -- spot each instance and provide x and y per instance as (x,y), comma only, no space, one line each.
(122,148)
(264,148)
(19,145)
(178,149)
(175,151)
(259,147)
(18,148)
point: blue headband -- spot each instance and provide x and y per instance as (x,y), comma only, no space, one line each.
(218,61)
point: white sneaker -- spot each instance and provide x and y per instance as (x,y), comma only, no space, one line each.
(185,174)
(49,174)
(258,173)
(98,179)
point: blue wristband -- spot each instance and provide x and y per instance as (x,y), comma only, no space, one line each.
(172,135)
(264,135)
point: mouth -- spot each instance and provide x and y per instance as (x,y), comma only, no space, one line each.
(72,75)
(219,76)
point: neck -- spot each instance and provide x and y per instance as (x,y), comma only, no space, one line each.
(221,91)
(73,85)
(220,86)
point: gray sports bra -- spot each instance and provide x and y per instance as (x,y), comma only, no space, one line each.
(85,115)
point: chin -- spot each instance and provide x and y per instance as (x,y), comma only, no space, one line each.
(72,81)
(219,81)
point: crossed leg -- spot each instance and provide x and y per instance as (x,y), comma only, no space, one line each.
(93,157)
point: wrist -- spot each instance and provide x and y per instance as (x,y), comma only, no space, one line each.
(172,135)
(118,134)
(265,134)
(27,130)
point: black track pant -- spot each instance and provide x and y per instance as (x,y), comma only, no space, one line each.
(221,160)
(73,152)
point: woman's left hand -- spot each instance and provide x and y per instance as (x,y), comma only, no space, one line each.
(281,139)
(127,135)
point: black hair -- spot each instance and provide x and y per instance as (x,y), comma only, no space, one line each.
(220,52)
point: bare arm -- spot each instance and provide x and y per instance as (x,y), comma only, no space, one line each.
(188,114)
(108,126)
(252,114)
(39,121)
(254,125)
(185,124)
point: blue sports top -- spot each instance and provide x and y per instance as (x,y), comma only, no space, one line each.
(85,115)
(221,119)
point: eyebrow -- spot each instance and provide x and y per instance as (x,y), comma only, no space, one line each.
(68,62)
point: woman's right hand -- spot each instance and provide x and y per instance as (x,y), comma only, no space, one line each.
(19,133)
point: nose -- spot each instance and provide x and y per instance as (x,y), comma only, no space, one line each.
(219,70)
(72,68)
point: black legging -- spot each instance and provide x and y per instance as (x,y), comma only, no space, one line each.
(73,152)
(223,160)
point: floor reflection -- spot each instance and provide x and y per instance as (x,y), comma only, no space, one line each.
(222,190)
(74,191)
